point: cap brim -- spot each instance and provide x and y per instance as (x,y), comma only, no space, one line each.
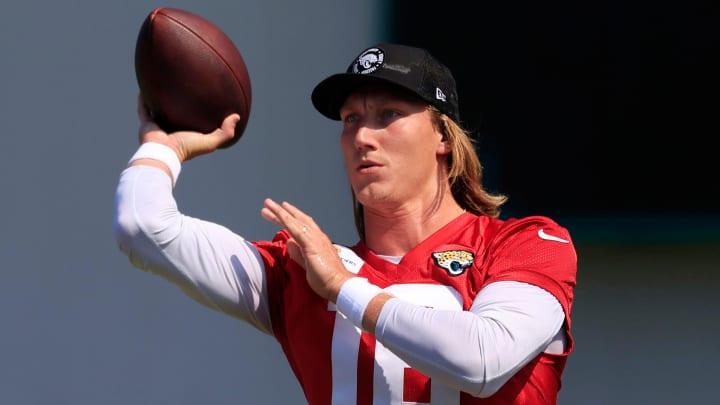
(330,94)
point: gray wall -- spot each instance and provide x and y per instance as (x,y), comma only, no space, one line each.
(646,325)
(79,324)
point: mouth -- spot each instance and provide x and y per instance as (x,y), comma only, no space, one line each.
(366,167)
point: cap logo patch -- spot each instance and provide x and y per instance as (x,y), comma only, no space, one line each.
(439,94)
(369,61)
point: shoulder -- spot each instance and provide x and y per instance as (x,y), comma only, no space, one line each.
(532,228)
(534,250)
(535,243)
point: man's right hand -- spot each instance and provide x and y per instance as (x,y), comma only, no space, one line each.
(186,144)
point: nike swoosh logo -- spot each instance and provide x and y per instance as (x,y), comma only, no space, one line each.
(543,235)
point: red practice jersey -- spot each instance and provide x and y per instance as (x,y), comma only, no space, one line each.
(335,362)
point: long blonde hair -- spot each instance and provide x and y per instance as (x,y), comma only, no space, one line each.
(464,177)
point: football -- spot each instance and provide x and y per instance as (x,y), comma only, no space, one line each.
(190,73)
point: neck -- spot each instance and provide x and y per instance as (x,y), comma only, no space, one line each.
(395,232)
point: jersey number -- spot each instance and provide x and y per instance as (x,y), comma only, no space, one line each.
(366,372)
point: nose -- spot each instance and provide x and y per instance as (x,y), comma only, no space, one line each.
(365,138)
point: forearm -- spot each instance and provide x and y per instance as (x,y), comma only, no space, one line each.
(474,351)
(208,262)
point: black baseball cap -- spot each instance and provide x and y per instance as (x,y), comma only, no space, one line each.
(410,68)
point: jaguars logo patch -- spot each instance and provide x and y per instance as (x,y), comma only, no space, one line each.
(455,262)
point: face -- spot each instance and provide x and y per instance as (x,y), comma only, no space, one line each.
(392,150)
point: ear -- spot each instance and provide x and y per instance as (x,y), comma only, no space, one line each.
(443,147)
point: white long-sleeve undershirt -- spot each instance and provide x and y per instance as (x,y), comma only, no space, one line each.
(475,351)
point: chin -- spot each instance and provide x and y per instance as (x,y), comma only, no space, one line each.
(372,195)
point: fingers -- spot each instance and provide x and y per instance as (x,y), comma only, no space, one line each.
(295,211)
(274,213)
(187,144)
(196,144)
(230,122)
(289,217)
(296,252)
(310,247)
(149,130)
(142,110)
(226,131)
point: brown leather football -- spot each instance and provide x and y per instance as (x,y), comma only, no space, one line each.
(190,73)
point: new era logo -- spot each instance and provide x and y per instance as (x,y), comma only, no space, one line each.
(439,94)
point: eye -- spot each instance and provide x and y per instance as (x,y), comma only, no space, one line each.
(350,118)
(390,114)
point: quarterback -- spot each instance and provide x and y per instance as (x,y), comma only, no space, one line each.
(440,301)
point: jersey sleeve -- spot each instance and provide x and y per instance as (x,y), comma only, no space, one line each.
(538,251)
(211,264)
